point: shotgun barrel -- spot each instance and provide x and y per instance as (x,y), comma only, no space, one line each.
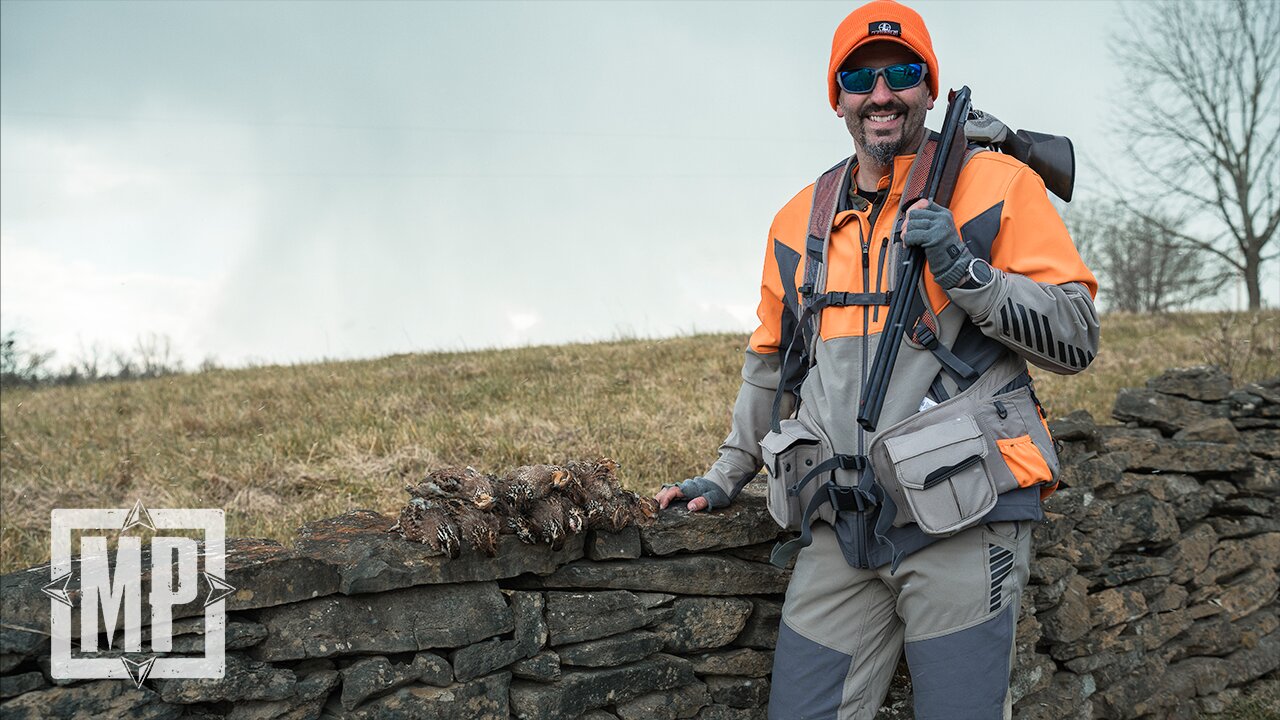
(944,169)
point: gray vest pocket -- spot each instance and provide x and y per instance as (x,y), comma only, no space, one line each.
(942,470)
(789,455)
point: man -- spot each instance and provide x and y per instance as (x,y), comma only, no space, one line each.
(921,530)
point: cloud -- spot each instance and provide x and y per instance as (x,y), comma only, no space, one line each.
(522,321)
(65,303)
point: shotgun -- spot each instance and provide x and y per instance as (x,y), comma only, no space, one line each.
(944,168)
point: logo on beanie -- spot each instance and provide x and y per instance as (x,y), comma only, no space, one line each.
(884,27)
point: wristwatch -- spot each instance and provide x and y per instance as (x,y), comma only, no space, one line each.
(978,275)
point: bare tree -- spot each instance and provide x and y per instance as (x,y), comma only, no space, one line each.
(1141,267)
(1202,119)
(155,356)
(89,363)
(20,362)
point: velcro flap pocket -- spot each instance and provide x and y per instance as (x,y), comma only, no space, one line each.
(790,454)
(943,475)
(775,444)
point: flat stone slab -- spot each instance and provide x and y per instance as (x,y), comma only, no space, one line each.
(682,702)
(543,667)
(244,680)
(744,662)
(408,620)
(14,685)
(746,521)
(612,650)
(482,699)
(703,623)
(368,558)
(1180,456)
(724,712)
(530,635)
(188,634)
(266,574)
(688,574)
(1205,382)
(578,691)
(102,699)
(374,675)
(25,610)
(738,692)
(1263,442)
(307,701)
(1075,426)
(622,545)
(761,628)
(574,617)
(1216,430)
(1169,413)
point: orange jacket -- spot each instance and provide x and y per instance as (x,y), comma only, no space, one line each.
(1032,241)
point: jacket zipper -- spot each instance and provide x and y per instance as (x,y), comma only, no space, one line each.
(865,540)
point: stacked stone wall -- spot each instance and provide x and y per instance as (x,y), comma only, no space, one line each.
(1153,595)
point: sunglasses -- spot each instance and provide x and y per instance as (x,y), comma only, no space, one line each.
(902,76)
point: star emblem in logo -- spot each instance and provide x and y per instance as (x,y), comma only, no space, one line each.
(138,669)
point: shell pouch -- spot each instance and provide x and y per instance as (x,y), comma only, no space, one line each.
(1019,441)
(942,470)
(927,462)
(789,455)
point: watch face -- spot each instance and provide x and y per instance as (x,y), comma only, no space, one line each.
(981,272)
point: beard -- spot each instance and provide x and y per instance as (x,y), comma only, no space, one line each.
(882,151)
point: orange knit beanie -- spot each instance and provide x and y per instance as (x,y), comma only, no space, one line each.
(881,20)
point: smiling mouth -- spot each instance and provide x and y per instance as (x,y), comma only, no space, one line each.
(883,119)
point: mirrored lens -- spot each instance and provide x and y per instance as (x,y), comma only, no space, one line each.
(901,77)
(858,81)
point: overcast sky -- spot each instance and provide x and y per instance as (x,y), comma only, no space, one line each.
(288,181)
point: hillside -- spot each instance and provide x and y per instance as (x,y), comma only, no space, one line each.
(278,446)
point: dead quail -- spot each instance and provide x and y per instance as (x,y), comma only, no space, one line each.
(427,489)
(575,518)
(548,518)
(477,489)
(523,529)
(532,482)
(644,510)
(430,523)
(602,470)
(478,527)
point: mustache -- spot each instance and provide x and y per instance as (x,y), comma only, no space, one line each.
(891,109)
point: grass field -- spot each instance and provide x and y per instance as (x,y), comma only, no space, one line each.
(279,446)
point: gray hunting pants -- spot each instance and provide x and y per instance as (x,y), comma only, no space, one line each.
(952,605)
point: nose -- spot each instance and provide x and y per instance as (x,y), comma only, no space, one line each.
(880,92)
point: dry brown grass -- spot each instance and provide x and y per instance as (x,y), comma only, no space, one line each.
(1137,347)
(279,446)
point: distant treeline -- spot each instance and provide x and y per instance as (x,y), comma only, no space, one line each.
(152,355)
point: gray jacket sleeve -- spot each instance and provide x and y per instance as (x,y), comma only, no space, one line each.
(1052,326)
(740,457)
(1039,302)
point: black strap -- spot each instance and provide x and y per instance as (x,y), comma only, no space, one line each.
(775,419)
(783,552)
(831,464)
(958,369)
(860,498)
(841,299)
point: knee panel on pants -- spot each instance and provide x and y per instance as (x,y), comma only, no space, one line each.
(808,678)
(964,675)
